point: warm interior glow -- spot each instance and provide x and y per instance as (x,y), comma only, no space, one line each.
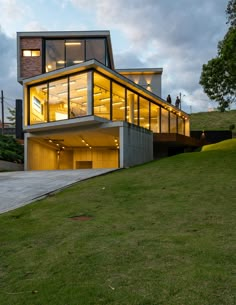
(72,43)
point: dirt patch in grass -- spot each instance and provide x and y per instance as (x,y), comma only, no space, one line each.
(81,218)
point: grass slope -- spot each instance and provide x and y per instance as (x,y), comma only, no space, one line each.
(160,233)
(213,120)
(226,145)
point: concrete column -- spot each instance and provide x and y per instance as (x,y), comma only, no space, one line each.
(90,94)
(131,107)
(121,138)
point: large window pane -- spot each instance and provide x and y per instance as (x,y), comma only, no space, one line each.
(78,95)
(173,122)
(132,107)
(58,100)
(74,52)
(144,113)
(187,127)
(118,102)
(101,96)
(155,118)
(55,55)
(180,125)
(164,121)
(38,104)
(95,49)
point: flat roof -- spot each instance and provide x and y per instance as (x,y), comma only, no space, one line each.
(140,71)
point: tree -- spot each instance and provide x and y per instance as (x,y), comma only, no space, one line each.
(12,116)
(218,77)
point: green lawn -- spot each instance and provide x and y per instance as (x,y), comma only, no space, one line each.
(213,120)
(226,145)
(160,233)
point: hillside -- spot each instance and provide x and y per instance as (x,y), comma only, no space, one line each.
(160,233)
(213,120)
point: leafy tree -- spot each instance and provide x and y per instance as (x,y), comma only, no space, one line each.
(218,76)
(12,116)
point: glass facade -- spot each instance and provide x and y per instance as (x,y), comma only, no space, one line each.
(173,123)
(118,103)
(59,100)
(77,95)
(132,107)
(164,120)
(61,53)
(180,125)
(102,96)
(144,113)
(155,118)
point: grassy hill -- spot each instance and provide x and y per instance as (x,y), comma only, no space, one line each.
(160,233)
(213,120)
(227,145)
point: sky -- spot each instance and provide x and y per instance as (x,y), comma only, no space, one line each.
(176,35)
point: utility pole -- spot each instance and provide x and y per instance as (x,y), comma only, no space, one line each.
(2,112)
(180,100)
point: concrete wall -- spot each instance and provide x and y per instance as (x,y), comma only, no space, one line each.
(100,157)
(154,82)
(136,145)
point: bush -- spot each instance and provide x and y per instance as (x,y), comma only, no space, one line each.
(11,150)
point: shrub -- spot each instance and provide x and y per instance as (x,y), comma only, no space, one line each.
(11,150)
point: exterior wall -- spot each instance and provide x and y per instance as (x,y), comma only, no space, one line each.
(66,159)
(40,157)
(30,66)
(149,82)
(136,145)
(100,157)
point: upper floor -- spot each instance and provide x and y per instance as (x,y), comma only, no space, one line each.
(42,52)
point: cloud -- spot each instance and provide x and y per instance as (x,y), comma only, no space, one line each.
(12,10)
(11,89)
(179,36)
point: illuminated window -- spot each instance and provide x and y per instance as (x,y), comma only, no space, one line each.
(173,123)
(101,96)
(164,121)
(144,113)
(155,118)
(31,53)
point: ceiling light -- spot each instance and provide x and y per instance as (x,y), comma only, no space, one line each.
(82,89)
(60,62)
(72,43)
(62,93)
(76,98)
(77,61)
(105,99)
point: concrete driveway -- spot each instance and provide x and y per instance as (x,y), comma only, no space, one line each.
(20,188)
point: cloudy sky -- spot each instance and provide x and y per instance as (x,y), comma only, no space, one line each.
(177,35)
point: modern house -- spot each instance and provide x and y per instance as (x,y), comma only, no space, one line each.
(80,112)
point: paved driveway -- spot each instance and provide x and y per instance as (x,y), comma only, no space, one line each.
(20,188)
